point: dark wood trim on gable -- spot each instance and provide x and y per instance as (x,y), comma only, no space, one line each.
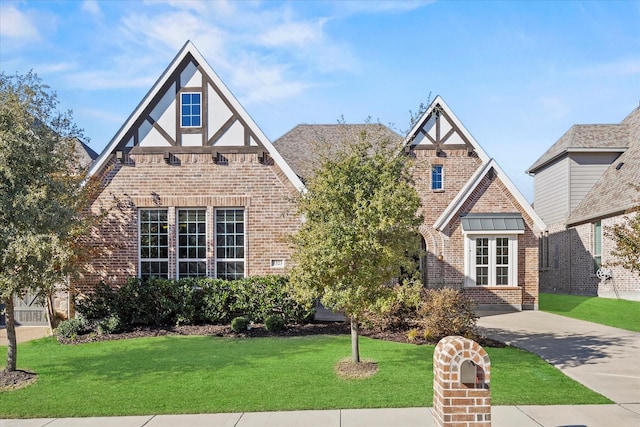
(161,131)
(439,143)
(223,129)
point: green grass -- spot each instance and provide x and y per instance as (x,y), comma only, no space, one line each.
(618,313)
(195,374)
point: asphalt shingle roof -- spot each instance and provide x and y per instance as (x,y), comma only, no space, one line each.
(614,193)
(304,145)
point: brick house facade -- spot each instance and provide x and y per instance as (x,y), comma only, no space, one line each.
(193,187)
(479,233)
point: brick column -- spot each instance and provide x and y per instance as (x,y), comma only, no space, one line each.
(461,377)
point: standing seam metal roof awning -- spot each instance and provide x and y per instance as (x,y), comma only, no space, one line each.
(483,222)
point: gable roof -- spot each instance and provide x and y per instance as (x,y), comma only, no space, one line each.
(440,128)
(613,193)
(586,138)
(304,145)
(429,130)
(189,55)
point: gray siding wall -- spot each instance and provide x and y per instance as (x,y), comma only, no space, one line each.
(585,170)
(551,192)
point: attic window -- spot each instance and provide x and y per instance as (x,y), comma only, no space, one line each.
(190,109)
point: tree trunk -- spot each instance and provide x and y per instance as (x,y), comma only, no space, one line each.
(12,348)
(355,347)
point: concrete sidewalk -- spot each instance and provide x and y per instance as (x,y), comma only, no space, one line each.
(502,416)
(605,359)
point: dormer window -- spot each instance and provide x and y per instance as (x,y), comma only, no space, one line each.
(191,110)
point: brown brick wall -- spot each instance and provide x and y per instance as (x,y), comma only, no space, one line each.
(490,196)
(571,262)
(193,181)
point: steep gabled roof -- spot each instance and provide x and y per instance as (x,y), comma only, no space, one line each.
(190,56)
(614,193)
(467,190)
(304,145)
(586,138)
(439,128)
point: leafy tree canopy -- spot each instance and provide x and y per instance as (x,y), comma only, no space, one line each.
(626,236)
(360,219)
(41,192)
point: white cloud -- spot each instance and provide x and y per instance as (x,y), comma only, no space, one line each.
(92,7)
(297,34)
(17,25)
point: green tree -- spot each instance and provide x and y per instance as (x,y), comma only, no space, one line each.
(626,236)
(42,197)
(360,219)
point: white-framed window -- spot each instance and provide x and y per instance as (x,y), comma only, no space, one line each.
(491,259)
(192,243)
(437,177)
(597,245)
(230,262)
(543,251)
(191,109)
(153,245)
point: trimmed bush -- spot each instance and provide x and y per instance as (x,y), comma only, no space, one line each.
(71,328)
(274,323)
(191,301)
(110,325)
(239,324)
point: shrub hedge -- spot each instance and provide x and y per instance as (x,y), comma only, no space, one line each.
(190,301)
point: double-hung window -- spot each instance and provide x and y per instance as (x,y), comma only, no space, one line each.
(492,260)
(437,178)
(192,243)
(229,243)
(154,243)
(491,248)
(190,109)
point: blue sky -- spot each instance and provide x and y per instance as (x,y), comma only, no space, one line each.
(517,74)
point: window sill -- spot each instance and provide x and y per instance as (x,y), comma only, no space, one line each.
(437,191)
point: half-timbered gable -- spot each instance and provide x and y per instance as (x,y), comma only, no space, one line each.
(192,186)
(479,232)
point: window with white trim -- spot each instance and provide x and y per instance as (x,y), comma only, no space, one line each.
(597,245)
(190,109)
(154,243)
(192,243)
(230,261)
(491,260)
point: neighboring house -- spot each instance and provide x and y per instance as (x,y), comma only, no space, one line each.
(479,233)
(193,186)
(583,184)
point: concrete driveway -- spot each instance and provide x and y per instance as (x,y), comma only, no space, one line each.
(605,359)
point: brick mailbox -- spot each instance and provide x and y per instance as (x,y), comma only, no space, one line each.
(461,377)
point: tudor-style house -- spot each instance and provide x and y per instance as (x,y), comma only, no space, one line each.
(193,186)
(479,232)
(584,184)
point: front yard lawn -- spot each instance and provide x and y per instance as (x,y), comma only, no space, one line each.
(618,313)
(198,374)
